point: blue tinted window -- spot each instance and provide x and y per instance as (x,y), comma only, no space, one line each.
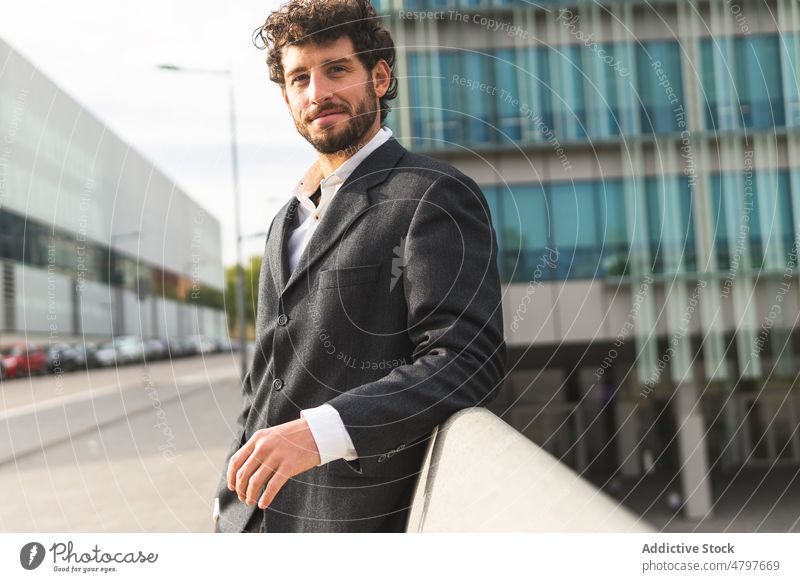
(613,230)
(671,224)
(660,86)
(791,77)
(567,63)
(453,113)
(686,221)
(755,234)
(602,98)
(719,226)
(507,91)
(785,209)
(525,230)
(420,101)
(708,84)
(478,103)
(758,78)
(544,90)
(492,195)
(575,229)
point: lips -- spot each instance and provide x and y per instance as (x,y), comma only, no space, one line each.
(327,115)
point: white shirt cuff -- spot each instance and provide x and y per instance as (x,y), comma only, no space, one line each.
(330,435)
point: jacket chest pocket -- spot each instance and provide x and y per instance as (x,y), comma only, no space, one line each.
(349,276)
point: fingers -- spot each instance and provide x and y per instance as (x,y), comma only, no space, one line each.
(257,481)
(237,460)
(275,483)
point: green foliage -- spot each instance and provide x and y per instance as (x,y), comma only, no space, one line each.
(252,268)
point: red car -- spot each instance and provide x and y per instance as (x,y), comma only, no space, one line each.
(22,360)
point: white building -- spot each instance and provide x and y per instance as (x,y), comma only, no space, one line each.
(94,240)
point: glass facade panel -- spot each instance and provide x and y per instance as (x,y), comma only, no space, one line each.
(566,64)
(509,121)
(660,83)
(544,90)
(525,228)
(613,230)
(759,81)
(420,100)
(575,229)
(719,226)
(477,104)
(749,91)
(602,98)
(791,77)
(586,222)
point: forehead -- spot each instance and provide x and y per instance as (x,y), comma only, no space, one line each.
(311,55)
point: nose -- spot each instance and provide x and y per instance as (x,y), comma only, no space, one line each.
(319,88)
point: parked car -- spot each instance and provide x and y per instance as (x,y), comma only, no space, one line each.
(224,345)
(61,357)
(23,360)
(174,348)
(106,355)
(155,349)
(202,345)
(130,349)
(86,355)
(181,347)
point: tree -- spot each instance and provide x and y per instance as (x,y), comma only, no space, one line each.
(252,268)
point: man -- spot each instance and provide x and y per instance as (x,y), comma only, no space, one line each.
(379,309)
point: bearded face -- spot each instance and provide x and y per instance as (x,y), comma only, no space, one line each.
(330,95)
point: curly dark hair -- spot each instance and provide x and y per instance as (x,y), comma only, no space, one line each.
(300,22)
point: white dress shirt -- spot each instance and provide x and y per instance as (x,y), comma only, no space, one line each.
(330,434)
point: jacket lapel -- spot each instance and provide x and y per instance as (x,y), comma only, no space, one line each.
(350,201)
(278,258)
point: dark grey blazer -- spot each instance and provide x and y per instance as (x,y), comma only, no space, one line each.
(393,317)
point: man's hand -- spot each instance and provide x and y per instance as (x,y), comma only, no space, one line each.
(276,454)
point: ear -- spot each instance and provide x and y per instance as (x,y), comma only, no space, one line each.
(285,96)
(381,76)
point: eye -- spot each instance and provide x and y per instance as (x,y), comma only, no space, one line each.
(298,78)
(336,68)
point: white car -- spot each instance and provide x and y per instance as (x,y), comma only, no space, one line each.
(106,355)
(130,349)
(126,349)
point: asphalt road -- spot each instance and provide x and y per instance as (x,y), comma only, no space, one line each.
(132,449)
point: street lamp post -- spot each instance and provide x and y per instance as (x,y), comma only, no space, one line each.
(235,174)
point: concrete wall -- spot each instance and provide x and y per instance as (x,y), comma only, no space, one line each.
(480,475)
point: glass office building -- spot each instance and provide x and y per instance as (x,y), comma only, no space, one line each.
(642,164)
(94,240)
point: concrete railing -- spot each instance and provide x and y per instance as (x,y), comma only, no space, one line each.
(481,475)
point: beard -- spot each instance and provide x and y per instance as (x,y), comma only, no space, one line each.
(343,135)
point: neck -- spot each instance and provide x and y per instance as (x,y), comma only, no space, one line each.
(328,163)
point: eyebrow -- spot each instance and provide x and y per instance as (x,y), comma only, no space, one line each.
(343,60)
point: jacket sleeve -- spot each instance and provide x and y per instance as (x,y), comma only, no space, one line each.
(452,291)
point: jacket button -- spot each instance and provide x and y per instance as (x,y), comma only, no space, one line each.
(277,384)
(282,319)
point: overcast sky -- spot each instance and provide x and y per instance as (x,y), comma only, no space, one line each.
(104,53)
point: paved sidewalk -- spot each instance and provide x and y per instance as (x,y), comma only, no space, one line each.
(763,499)
(153,471)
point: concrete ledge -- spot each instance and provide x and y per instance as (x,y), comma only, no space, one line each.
(481,475)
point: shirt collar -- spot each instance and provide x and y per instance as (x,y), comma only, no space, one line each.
(314,178)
